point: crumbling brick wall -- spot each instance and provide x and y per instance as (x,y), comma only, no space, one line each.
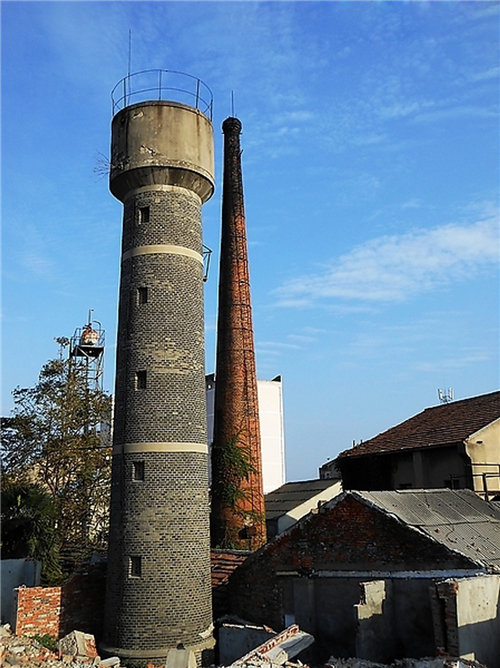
(78,604)
(38,610)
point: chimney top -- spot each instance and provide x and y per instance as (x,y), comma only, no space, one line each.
(231,126)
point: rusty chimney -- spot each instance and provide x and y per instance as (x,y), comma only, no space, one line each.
(238,512)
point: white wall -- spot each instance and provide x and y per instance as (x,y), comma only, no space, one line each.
(272,433)
(478,619)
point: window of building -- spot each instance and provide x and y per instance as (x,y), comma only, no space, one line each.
(144,214)
(141,380)
(138,470)
(142,295)
(135,567)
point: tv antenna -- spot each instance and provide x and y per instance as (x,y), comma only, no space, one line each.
(445,396)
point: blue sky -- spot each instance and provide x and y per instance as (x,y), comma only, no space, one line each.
(370,157)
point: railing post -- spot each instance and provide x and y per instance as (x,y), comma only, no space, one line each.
(124,91)
(197,92)
(159,84)
(485,486)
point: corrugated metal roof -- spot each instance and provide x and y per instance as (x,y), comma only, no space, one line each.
(459,519)
(293,494)
(439,425)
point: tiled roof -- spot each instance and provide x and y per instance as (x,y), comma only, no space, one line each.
(439,425)
(292,494)
(459,519)
(222,565)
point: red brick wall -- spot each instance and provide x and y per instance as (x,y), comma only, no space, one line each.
(38,611)
(77,605)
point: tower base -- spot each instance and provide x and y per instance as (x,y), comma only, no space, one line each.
(133,658)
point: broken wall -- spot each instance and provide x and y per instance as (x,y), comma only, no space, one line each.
(311,575)
(467,618)
(394,619)
(236,640)
(78,604)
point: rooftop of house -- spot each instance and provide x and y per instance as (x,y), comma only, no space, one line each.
(458,519)
(445,424)
(223,563)
(292,494)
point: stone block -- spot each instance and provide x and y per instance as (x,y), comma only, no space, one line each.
(181,658)
(80,646)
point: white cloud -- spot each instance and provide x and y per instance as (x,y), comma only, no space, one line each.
(393,268)
(491,73)
(37,264)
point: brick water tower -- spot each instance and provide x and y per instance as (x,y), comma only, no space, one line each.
(158,594)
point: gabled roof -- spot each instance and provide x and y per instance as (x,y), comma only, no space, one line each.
(458,519)
(292,494)
(445,424)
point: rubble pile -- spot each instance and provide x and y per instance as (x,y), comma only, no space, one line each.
(76,650)
(430,662)
(24,651)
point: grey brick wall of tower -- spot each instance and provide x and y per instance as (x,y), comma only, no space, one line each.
(158,587)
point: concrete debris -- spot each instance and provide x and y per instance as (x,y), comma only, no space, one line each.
(79,646)
(26,652)
(238,639)
(430,662)
(278,650)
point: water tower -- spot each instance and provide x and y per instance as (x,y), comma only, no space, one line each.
(158,593)
(86,352)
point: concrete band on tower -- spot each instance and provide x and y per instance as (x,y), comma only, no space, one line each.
(158,585)
(238,512)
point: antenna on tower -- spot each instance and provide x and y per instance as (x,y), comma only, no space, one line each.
(129,64)
(445,396)
(232,103)
(129,51)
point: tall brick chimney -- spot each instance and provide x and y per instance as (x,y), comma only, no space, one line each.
(238,512)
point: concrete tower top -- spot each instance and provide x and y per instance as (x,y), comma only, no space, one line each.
(161,143)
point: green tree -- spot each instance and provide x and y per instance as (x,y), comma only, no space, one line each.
(28,520)
(57,439)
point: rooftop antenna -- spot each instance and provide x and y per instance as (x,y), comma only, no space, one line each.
(232,103)
(129,61)
(445,396)
(129,50)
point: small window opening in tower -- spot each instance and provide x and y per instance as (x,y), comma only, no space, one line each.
(141,380)
(142,294)
(135,567)
(144,214)
(138,470)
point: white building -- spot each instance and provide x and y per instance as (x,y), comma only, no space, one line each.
(272,433)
